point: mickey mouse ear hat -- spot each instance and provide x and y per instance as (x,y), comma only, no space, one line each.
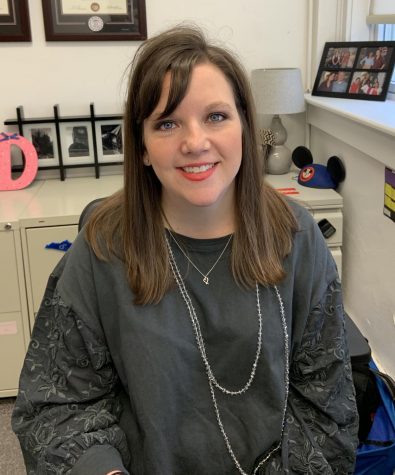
(316,175)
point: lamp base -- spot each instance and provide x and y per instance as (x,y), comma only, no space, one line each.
(279,160)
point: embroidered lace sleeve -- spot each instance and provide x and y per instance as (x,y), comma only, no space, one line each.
(67,409)
(322,419)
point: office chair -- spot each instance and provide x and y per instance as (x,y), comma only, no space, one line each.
(87,211)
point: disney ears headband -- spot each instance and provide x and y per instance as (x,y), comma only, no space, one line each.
(316,175)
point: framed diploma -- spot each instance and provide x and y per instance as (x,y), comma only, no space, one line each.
(14,20)
(89,20)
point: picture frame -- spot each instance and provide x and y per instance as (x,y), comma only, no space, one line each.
(109,140)
(44,138)
(14,21)
(77,143)
(355,70)
(100,20)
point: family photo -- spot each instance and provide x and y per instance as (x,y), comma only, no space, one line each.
(367,83)
(374,58)
(332,81)
(355,70)
(340,58)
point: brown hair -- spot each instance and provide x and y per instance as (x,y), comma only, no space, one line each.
(129,224)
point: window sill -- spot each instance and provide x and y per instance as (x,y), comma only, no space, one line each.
(368,126)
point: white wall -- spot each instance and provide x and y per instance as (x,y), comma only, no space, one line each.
(369,236)
(368,245)
(37,75)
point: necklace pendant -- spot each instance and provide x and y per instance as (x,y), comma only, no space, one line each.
(205,279)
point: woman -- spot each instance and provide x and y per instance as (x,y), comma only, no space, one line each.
(375,89)
(196,325)
(355,86)
(367,61)
(326,84)
(336,59)
(378,60)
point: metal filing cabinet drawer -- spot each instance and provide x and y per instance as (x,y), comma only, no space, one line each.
(41,260)
(335,218)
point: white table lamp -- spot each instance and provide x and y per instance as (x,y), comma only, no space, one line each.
(278,91)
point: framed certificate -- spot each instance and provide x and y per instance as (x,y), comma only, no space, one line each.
(89,20)
(14,20)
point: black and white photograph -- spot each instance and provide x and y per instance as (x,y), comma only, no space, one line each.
(109,141)
(43,137)
(77,144)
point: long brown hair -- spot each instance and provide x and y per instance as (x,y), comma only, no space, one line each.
(129,224)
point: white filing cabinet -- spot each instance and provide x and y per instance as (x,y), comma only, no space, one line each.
(53,217)
(40,261)
(14,325)
(322,204)
(47,211)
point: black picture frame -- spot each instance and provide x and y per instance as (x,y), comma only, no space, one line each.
(72,142)
(355,70)
(14,21)
(90,21)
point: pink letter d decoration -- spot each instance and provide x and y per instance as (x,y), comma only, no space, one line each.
(31,162)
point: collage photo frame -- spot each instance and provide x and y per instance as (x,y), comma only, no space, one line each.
(355,70)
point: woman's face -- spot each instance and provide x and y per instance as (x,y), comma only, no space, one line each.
(196,151)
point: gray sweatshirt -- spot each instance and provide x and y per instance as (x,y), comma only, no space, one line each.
(107,384)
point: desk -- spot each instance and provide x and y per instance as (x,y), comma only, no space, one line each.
(321,203)
(48,211)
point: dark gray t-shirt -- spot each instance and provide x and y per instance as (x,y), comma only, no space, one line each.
(119,386)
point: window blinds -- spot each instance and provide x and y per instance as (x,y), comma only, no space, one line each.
(381,11)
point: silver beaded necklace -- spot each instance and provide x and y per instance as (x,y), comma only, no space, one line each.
(205,276)
(212,381)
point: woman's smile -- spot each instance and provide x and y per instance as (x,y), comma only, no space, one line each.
(198,172)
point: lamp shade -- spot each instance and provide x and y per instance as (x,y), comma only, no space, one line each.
(278,91)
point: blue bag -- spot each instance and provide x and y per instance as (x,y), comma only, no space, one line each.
(376,455)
